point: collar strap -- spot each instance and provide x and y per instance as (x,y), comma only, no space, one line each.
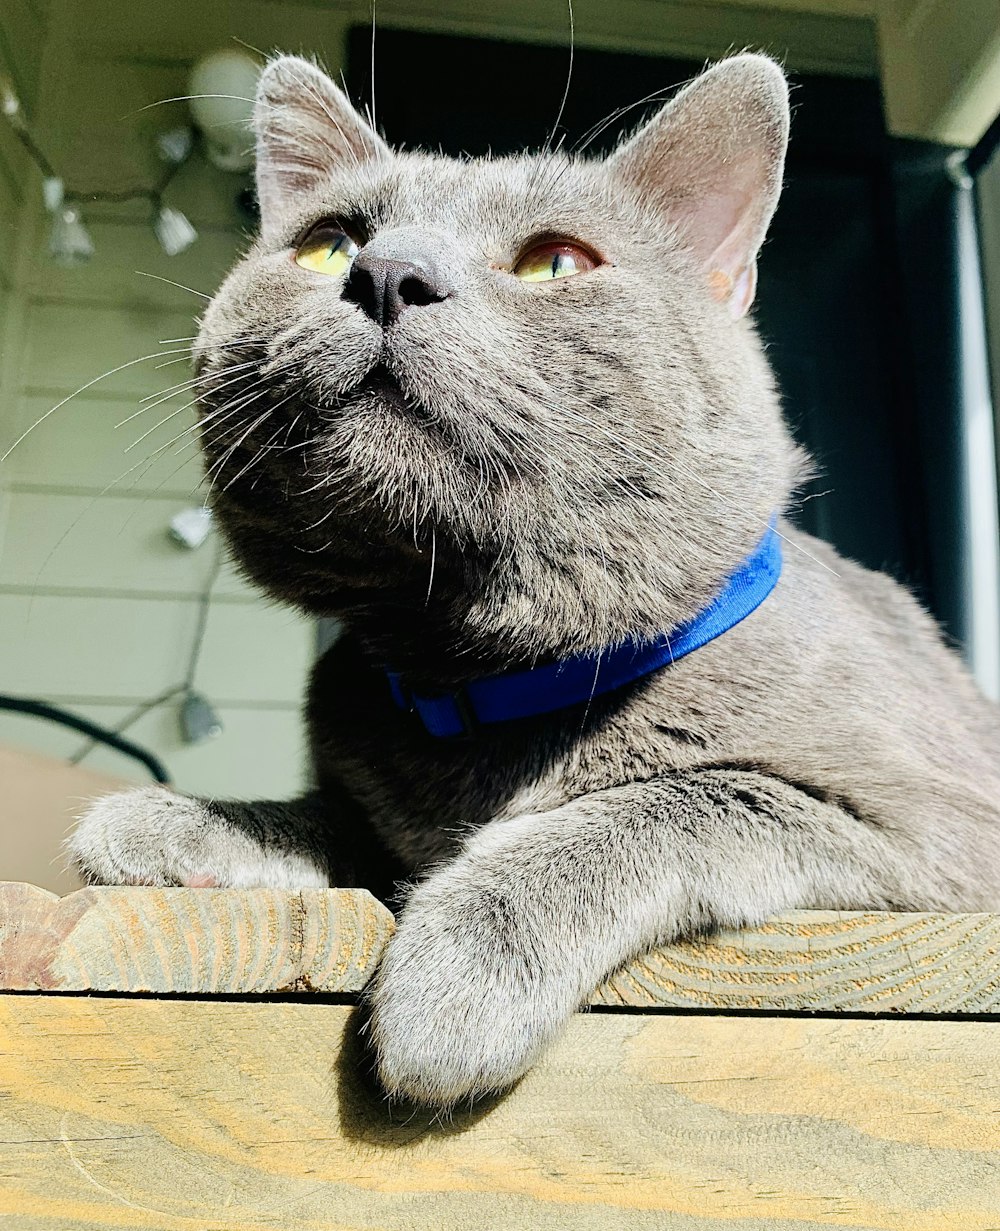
(571,681)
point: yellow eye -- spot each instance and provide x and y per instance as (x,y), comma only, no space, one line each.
(326,250)
(553,259)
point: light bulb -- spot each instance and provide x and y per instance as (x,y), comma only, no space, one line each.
(222,88)
(174,230)
(199,719)
(189,528)
(53,191)
(175,146)
(69,239)
(10,105)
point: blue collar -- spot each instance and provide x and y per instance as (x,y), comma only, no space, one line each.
(571,681)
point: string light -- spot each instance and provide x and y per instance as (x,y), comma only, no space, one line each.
(173,230)
(70,242)
(69,239)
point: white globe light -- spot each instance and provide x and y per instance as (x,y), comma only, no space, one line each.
(223,85)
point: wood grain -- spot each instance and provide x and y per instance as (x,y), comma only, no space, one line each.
(854,962)
(231,1117)
(228,941)
(215,941)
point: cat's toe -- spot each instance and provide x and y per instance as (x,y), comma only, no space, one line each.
(152,836)
(131,838)
(446,1028)
(201,880)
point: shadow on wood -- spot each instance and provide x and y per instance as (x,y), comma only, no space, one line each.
(229,1096)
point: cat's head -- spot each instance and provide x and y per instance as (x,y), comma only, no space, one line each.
(499,408)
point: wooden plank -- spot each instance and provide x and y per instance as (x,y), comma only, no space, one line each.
(818,35)
(173,940)
(261,753)
(80,445)
(71,345)
(232,1116)
(940,68)
(852,962)
(805,961)
(803,41)
(128,263)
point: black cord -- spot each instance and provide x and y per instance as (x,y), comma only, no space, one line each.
(203,610)
(42,709)
(34,150)
(154,194)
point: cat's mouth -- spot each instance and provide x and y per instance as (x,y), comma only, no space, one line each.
(381,383)
(381,386)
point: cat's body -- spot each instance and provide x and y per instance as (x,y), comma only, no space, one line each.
(837,685)
(476,473)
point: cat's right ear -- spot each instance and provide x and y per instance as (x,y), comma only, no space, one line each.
(711,160)
(306,129)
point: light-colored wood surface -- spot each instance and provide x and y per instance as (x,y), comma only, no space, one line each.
(224,941)
(851,962)
(222,1116)
(206,941)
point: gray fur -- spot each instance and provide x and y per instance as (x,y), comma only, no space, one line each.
(524,471)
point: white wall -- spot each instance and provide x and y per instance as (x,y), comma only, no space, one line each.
(98,609)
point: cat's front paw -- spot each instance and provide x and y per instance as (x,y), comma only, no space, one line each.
(152,836)
(461,1006)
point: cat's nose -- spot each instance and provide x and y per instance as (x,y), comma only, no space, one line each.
(384,286)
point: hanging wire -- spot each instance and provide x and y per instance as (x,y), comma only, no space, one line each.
(97,733)
(153,193)
(186,688)
(10,108)
(205,604)
(173,230)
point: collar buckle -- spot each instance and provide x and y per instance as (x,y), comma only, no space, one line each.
(447,715)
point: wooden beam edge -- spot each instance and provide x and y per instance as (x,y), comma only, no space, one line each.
(132,940)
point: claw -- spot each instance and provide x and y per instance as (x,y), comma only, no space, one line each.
(203,881)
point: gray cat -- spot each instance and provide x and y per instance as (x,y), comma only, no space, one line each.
(508,416)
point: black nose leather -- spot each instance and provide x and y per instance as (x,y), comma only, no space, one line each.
(384,287)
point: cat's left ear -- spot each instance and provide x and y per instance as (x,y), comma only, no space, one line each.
(306,130)
(712,160)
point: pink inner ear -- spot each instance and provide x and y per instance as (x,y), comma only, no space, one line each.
(722,220)
(306,128)
(723,233)
(711,225)
(711,160)
(743,291)
(735,289)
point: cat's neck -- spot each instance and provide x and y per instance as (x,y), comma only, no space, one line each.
(436,650)
(452,639)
